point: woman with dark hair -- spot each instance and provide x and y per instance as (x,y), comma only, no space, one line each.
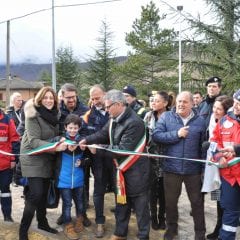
(160,104)
(41,127)
(211,181)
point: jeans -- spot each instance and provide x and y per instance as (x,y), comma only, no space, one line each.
(75,194)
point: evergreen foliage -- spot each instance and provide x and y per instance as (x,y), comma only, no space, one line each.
(216,48)
(67,67)
(152,62)
(102,64)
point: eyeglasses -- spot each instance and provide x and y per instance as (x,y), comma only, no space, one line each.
(109,106)
(70,97)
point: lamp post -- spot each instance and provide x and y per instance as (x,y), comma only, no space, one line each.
(179,8)
(53,51)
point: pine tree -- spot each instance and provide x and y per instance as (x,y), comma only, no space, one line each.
(217,50)
(102,64)
(152,52)
(67,67)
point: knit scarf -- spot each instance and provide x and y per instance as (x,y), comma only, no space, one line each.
(49,115)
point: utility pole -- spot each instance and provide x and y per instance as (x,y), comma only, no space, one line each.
(8,65)
(53,51)
(179,8)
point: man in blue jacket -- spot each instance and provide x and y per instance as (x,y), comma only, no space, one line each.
(182,131)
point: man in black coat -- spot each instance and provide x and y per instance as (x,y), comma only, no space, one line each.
(214,87)
(101,164)
(126,131)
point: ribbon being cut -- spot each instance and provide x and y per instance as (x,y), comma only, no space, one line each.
(125,164)
(52,146)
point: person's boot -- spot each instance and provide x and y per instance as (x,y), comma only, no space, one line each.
(79,224)
(169,235)
(26,220)
(162,224)
(70,232)
(155,224)
(23,236)
(99,233)
(23,233)
(43,225)
(86,221)
(215,234)
(60,220)
(8,219)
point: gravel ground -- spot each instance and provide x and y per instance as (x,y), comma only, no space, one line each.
(9,231)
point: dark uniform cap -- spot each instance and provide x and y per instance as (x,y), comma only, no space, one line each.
(129,90)
(236,95)
(213,80)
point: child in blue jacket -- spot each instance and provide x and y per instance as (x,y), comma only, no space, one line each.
(70,178)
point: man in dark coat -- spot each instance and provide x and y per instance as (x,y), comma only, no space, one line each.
(70,103)
(102,164)
(14,110)
(131,98)
(205,109)
(214,87)
(126,131)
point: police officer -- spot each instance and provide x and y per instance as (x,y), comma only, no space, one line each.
(131,98)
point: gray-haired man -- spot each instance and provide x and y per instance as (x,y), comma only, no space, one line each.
(126,131)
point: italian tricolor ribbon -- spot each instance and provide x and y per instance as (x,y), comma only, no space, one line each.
(124,166)
(49,147)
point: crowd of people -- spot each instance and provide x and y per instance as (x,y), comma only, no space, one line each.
(190,139)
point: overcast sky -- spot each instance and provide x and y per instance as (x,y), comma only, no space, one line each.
(78,26)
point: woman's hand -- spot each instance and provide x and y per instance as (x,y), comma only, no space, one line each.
(61,147)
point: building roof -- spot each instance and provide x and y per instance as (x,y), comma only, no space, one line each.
(17,83)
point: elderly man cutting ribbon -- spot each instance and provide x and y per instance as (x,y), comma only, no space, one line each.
(126,131)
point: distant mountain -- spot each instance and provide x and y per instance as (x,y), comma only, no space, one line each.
(26,71)
(33,72)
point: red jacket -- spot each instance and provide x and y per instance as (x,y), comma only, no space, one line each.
(9,140)
(227,132)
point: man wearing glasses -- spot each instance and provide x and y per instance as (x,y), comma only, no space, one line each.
(70,103)
(126,131)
